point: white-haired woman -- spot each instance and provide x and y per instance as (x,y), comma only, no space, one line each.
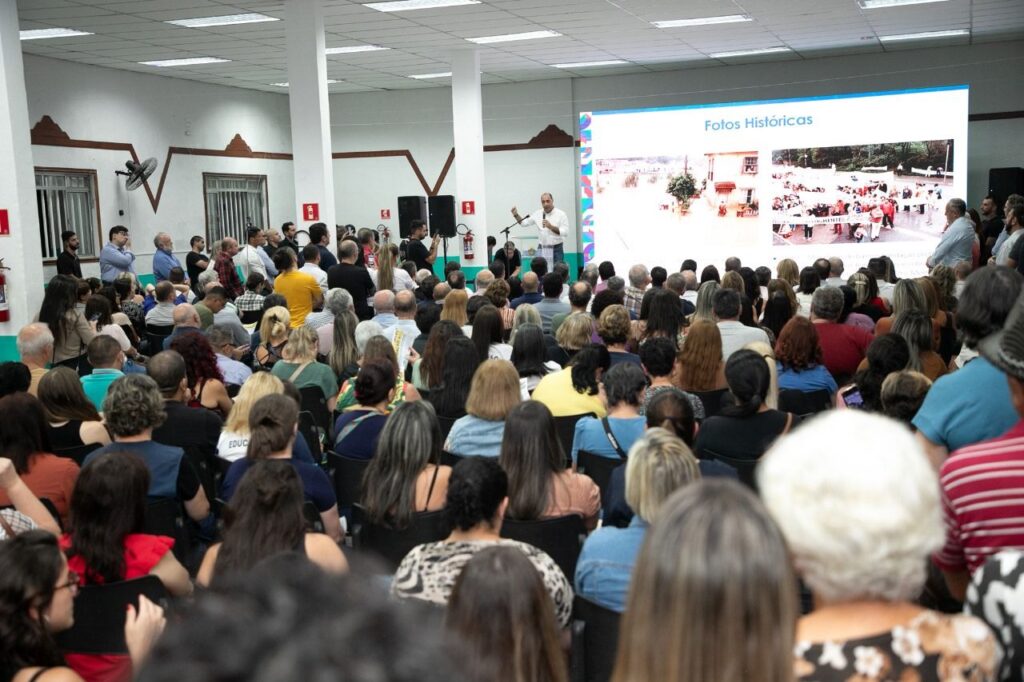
(861,515)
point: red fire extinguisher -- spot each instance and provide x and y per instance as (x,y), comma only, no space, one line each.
(5,307)
(467,245)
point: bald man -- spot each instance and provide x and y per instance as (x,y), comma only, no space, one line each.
(384,308)
(186,320)
(531,291)
(35,346)
(404,331)
(552,225)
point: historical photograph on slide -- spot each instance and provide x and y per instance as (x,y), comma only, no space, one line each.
(891,192)
(709,196)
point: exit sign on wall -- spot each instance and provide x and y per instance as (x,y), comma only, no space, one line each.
(468,208)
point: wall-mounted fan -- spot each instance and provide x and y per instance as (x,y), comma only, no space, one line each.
(137,173)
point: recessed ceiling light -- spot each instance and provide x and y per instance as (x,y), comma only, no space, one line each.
(748,53)
(352,49)
(188,61)
(427,76)
(881,4)
(224,20)
(409,5)
(285,84)
(581,65)
(512,37)
(703,21)
(40,33)
(924,35)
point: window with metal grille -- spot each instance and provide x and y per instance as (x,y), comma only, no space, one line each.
(66,201)
(750,165)
(233,203)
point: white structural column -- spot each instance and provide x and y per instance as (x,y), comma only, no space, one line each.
(468,123)
(20,248)
(310,112)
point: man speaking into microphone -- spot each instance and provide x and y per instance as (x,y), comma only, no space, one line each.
(553,225)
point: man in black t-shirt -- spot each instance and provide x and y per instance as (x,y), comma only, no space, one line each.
(352,278)
(416,250)
(67,261)
(196,261)
(509,255)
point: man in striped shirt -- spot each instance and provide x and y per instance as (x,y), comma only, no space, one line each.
(982,484)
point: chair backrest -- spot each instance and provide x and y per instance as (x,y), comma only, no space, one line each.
(804,402)
(744,467)
(347,474)
(446,425)
(392,545)
(561,538)
(166,516)
(100,615)
(595,641)
(450,458)
(155,334)
(233,390)
(78,453)
(566,428)
(711,400)
(314,419)
(599,468)
(251,316)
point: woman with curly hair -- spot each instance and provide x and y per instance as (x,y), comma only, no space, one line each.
(205,382)
(798,359)
(700,360)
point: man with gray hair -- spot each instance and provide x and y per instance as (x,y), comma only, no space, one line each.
(366,330)
(690,287)
(589,275)
(227,352)
(843,346)
(404,331)
(676,283)
(835,273)
(639,278)
(164,258)
(615,283)
(186,320)
(958,238)
(384,308)
(35,346)
(336,303)
(483,280)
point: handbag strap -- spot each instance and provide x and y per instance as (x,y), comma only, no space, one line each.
(352,426)
(612,439)
(297,372)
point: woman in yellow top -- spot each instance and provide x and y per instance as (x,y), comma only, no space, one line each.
(576,389)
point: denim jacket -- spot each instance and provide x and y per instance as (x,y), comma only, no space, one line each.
(606,564)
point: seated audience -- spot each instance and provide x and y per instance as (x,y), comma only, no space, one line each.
(715,555)
(337,302)
(902,395)
(501,588)
(860,518)
(273,425)
(539,484)
(97,311)
(134,408)
(659,359)
(186,321)
(25,441)
(777,312)
(405,476)
(735,334)
(799,359)
(107,359)
(575,389)
(72,422)
(994,597)
(614,328)
(551,303)
(842,346)
(25,511)
(274,330)
(455,307)
(233,442)
(205,381)
(497,294)
(745,429)
(493,392)
(377,348)
(428,370)
(267,505)
(487,334)
(573,334)
(338,341)
(613,435)
(476,501)
(886,354)
(916,329)
(461,361)
(162,314)
(701,368)
(358,428)
(251,300)
(529,355)
(659,464)
(810,280)
(234,372)
(35,348)
(300,366)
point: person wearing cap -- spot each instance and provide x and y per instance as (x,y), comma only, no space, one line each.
(981,483)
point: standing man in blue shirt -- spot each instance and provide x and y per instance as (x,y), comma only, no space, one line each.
(116,257)
(164,258)
(957,240)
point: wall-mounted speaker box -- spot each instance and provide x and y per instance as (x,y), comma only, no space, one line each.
(410,209)
(1002,182)
(442,215)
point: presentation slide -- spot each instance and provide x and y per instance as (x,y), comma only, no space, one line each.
(853,176)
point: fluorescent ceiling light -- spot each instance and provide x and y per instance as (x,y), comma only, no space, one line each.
(926,34)
(880,4)
(704,21)
(581,65)
(40,33)
(511,37)
(352,49)
(224,20)
(409,5)
(748,53)
(285,84)
(426,76)
(188,61)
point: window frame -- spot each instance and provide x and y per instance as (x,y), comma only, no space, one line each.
(94,176)
(248,176)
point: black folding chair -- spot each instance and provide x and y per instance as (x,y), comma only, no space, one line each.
(711,400)
(155,335)
(347,474)
(745,468)
(561,538)
(566,428)
(446,425)
(595,640)
(100,614)
(450,458)
(166,516)
(391,544)
(599,468)
(804,402)
(314,419)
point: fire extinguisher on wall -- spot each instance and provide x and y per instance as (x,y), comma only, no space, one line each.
(467,244)
(5,307)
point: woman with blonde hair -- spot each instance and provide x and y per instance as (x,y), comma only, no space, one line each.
(788,271)
(615,330)
(705,298)
(525,313)
(454,308)
(234,438)
(387,276)
(275,328)
(493,392)
(574,333)
(700,360)
(300,366)
(733,280)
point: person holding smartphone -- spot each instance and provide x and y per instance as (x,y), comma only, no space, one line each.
(416,250)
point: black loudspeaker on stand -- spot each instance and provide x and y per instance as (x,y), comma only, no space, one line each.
(410,209)
(442,215)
